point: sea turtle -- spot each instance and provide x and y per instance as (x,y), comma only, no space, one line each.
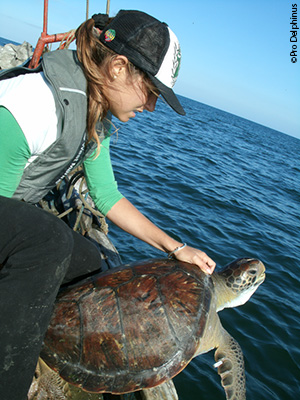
(139,325)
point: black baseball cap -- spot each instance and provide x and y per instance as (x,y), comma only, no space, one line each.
(151,46)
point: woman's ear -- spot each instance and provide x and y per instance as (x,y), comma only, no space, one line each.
(118,66)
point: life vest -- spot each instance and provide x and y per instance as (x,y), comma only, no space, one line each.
(62,69)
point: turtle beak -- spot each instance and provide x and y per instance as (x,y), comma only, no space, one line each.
(261,278)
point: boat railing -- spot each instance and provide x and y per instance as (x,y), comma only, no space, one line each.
(45,39)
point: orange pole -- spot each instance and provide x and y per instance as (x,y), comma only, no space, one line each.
(44,39)
(45,24)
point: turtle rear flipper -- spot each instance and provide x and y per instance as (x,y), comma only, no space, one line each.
(164,391)
(230,362)
(47,384)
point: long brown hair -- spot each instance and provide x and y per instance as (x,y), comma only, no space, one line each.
(96,59)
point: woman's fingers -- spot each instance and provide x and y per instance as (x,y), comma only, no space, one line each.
(198,257)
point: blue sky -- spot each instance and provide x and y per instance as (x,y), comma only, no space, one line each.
(235,54)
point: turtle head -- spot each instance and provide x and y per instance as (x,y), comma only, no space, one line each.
(236,282)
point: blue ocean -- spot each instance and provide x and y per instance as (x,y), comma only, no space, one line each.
(230,187)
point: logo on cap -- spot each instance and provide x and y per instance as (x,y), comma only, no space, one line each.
(176,62)
(109,35)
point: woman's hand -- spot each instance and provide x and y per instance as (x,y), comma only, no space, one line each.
(195,256)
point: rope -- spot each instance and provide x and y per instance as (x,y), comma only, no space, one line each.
(85,205)
(83,195)
(67,40)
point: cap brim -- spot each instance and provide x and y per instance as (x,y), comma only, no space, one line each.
(168,95)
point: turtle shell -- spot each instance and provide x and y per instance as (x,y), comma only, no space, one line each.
(130,328)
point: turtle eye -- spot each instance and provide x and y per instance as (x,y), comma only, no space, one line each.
(252,271)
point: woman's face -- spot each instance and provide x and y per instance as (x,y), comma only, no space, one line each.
(127,94)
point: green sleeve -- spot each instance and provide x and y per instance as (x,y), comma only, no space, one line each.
(100,179)
(14,153)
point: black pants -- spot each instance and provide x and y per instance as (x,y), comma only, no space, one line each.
(38,252)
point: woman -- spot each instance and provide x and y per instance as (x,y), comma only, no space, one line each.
(53,119)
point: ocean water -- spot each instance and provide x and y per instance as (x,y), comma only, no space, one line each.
(230,187)
(4,41)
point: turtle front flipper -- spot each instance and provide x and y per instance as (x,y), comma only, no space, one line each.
(230,363)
